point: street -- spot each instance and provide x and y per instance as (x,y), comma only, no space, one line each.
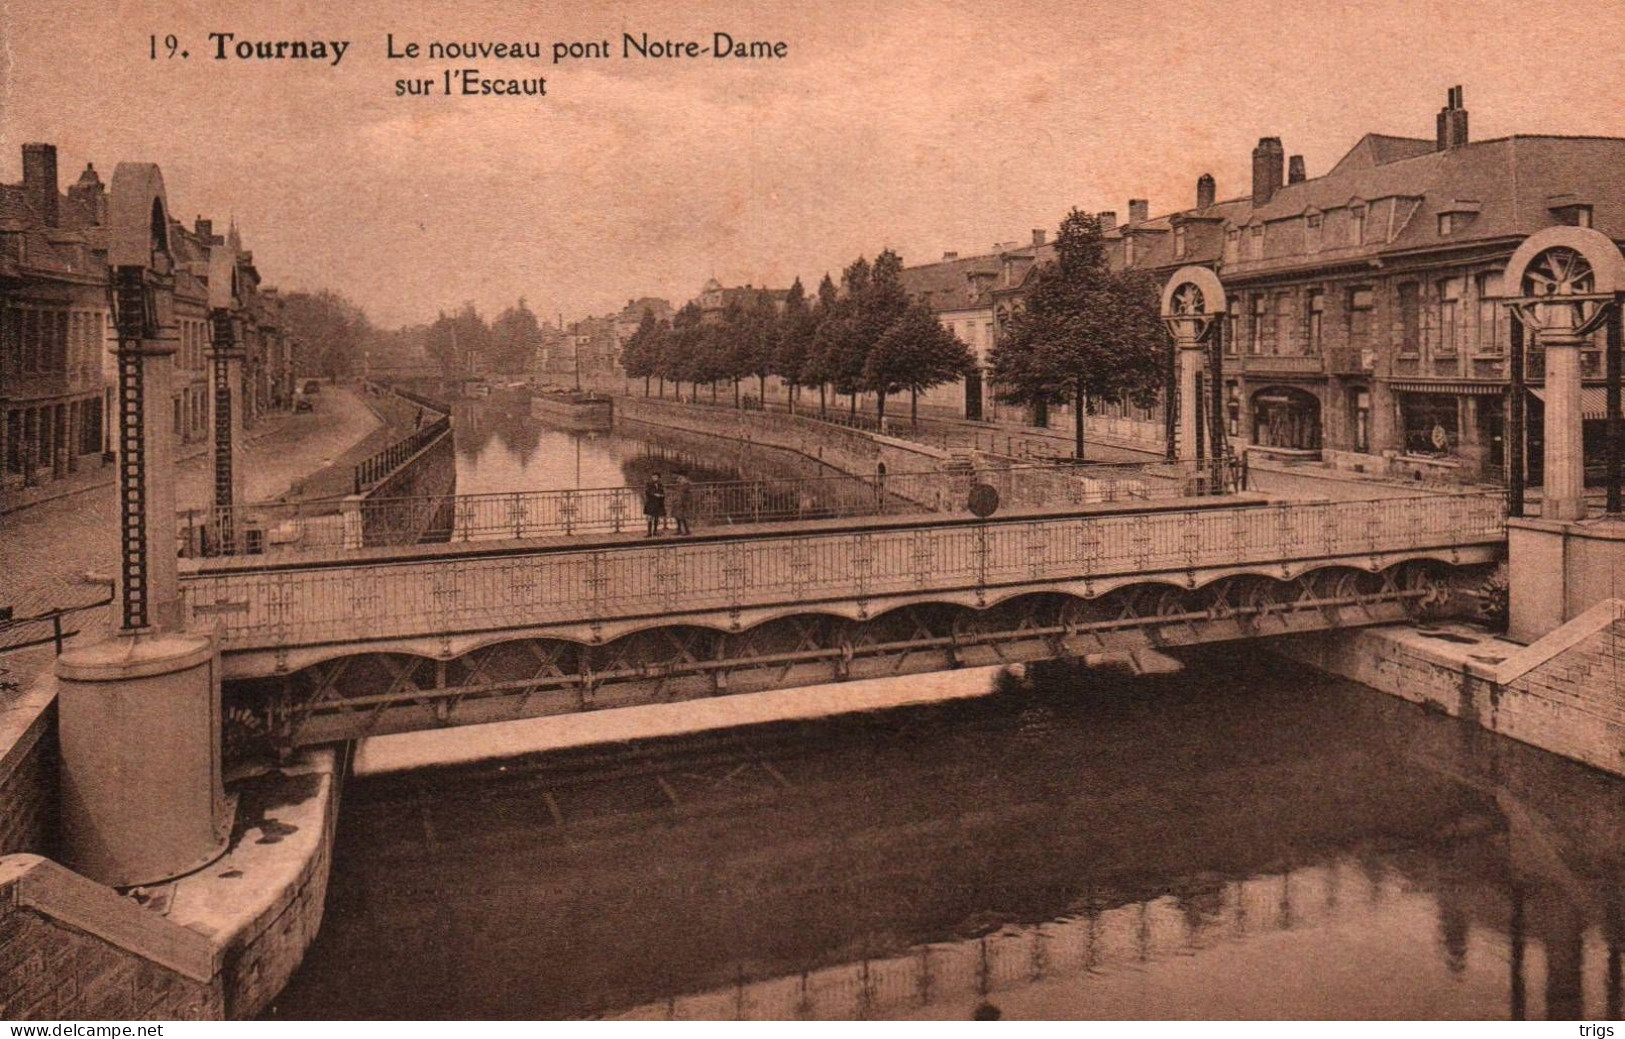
(46,551)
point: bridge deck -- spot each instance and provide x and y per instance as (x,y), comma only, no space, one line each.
(448,598)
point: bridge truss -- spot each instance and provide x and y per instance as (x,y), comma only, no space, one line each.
(379,692)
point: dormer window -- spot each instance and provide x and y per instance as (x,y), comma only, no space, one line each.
(1179,242)
(1313,225)
(1357,225)
(1570,208)
(1256,243)
(1454,217)
(1232,245)
(1128,250)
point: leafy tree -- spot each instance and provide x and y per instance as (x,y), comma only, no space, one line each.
(1086,333)
(845,333)
(329,333)
(516,335)
(915,353)
(643,349)
(792,346)
(459,342)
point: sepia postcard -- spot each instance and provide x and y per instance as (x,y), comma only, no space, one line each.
(547,510)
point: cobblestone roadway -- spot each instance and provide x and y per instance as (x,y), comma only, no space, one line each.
(45,551)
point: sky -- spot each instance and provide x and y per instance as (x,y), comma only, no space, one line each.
(921,127)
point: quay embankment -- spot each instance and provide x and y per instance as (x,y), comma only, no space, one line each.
(1563,693)
(216,943)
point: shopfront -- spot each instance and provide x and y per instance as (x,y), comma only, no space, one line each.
(1286,419)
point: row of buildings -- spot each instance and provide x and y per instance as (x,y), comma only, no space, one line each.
(591,348)
(1362,326)
(56,336)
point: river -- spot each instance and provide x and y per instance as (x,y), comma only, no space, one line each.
(1242,839)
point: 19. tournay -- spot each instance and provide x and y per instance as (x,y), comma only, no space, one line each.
(723,45)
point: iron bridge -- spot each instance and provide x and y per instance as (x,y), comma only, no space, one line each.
(336,650)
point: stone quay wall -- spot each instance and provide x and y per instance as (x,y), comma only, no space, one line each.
(1564,693)
(28,774)
(852,451)
(230,936)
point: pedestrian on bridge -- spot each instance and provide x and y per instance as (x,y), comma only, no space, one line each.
(678,504)
(654,504)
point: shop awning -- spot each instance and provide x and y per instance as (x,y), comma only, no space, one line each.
(1593,400)
(1458,386)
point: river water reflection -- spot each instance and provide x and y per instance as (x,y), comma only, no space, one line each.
(1243,839)
(501,449)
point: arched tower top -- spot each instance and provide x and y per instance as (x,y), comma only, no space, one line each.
(1545,264)
(1208,297)
(137,216)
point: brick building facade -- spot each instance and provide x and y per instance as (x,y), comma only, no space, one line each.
(56,364)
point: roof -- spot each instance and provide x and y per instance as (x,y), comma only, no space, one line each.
(957,284)
(1377,149)
(1506,187)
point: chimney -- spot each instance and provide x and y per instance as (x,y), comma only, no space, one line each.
(1038,236)
(1107,218)
(1452,122)
(1206,191)
(1294,170)
(949,256)
(1268,159)
(39,181)
(1139,210)
(204,229)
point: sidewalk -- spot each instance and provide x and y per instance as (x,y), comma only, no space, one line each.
(96,474)
(47,549)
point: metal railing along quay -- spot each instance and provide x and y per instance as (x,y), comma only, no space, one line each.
(929,431)
(380,465)
(337,524)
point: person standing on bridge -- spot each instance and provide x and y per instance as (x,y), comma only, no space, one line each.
(654,504)
(678,504)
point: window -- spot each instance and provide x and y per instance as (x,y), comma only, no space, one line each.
(1357,225)
(1317,313)
(1410,316)
(1312,229)
(27,338)
(1283,324)
(1361,408)
(1574,216)
(11,340)
(1446,224)
(1449,305)
(1232,245)
(1431,422)
(1179,242)
(1232,345)
(1487,333)
(1361,302)
(1256,243)
(1128,250)
(1260,310)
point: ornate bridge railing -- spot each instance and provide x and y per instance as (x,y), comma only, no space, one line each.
(335,525)
(597,592)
